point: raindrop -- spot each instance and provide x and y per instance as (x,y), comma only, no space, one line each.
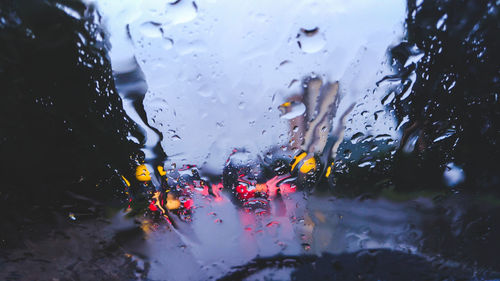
(292,82)
(453,175)
(273,223)
(311,41)
(168,43)
(309,32)
(388,98)
(382,136)
(290,110)
(69,11)
(441,21)
(367,138)
(347,153)
(365,164)
(376,113)
(151,29)
(182,12)
(357,137)
(284,62)
(446,135)
(206,92)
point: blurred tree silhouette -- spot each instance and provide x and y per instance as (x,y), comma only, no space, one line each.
(62,125)
(453,107)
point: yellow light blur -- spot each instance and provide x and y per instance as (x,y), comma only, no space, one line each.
(142,173)
(308,165)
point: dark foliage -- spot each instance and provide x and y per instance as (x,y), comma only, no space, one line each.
(62,126)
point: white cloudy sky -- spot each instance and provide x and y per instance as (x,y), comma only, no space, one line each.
(213,69)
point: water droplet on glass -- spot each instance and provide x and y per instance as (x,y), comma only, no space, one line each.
(205,91)
(182,12)
(347,153)
(357,137)
(290,110)
(311,41)
(453,175)
(446,135)
(365,164)
(382,136)
(151,29)
(272,223)
(376,113)
(168,43)
(388,98)
(284,62)
(441,21)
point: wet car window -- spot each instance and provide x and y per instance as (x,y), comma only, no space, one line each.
(257,140)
